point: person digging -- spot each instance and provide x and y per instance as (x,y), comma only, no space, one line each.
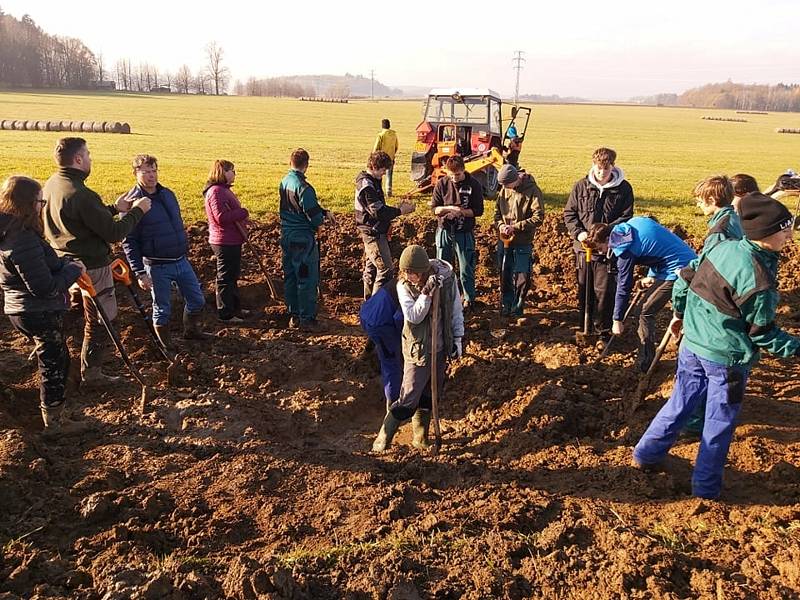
(419,278)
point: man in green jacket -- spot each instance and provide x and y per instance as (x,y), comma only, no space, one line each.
(387,142)
(728,316)
(79,225)
(518,213)
(301,215)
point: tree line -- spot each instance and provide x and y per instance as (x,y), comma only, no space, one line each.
(736,96)
(30,57)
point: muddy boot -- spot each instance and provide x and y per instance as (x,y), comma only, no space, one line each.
(93,377)
(193,327)
(165,337)
(420,424)
(57,425)
(385,435)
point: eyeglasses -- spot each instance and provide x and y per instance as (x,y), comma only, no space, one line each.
(42,202)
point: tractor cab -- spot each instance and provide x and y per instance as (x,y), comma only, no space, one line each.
(468,123)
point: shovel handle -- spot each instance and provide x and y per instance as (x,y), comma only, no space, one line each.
(85,283)
(121,272)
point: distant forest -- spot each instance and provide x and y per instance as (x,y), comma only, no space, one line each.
(737,96)
(30,57)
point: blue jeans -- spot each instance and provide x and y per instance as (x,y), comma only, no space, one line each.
(460,244)
(183,275)
(723,387)
(515,276)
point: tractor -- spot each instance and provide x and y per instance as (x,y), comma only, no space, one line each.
(468,122)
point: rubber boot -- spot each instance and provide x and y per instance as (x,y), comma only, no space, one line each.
(165,337)
(93,377)
(193,327)
(420,425)
(57,425)
(92,353)
(386,434)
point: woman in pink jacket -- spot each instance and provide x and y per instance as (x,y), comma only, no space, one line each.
(226,233)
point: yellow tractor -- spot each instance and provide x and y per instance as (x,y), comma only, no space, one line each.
(469,123)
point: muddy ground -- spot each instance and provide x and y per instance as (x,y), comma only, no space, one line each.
(251,477)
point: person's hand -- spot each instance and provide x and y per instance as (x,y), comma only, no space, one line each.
(582,236)
(434,281)
(457,349)
(123,203)
(407,207)
(145,282)
(676,327)
(451,215)
(646,282)
(80,264)
(617,327)
(142,204)
(506,230)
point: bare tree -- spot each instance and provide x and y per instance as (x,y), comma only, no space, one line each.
(218,73)
(99,65)
(201,83)
(183,79)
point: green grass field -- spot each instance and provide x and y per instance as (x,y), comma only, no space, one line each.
(663,151)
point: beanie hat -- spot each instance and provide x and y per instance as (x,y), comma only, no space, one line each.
(762,216)
(508,174)
(415,259)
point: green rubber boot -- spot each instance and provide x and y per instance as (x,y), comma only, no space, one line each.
(385,435)
(421,424)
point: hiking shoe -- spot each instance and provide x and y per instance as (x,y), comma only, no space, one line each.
(93,377)
(233,320)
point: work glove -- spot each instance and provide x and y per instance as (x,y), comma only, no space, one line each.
(457,349)
(617,328)
(434,281)
(582,236)
(646,282)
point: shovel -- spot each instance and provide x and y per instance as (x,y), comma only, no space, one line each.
(122,273)
(644,384)
(582,337)
(273,295)
(506,239)
(87,287)
(437,433)
(634,301)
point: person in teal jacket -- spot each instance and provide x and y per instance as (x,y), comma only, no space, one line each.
(727,317)
(301,215)
(714,197)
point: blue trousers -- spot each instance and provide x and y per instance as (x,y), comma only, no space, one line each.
(515,276)
(388,345)
(300,273)
(459,244)
(723,387)
(183,275)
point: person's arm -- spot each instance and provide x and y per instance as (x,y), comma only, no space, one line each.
(414,311)
(571,218)
(376,207)
(28,258)
(221,209)
(458,312)
(626,263)
(101,222)
(759,313)
(310,205)
(537,213)
(132,246)
(476,204)
(377,146)
(624,208)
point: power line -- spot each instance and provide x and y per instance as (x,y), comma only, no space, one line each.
(517,60)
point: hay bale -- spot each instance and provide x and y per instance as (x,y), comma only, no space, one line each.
(115,127)
(786,130)
(42,126)
(99,126)
(19,125)
(126,128)
(75,126)
(66,126)
(54,126)
(7,124)
(86,126)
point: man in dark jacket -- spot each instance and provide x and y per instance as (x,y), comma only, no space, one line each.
(518,213)
(603,196)
(373,218)
(156,250)
(457,201)
(78,225)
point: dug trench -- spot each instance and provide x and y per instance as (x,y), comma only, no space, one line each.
(251,476)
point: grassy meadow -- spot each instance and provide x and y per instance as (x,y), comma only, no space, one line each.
(663,151)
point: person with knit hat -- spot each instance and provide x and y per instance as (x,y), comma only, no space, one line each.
(419,278)
(519,211)
(727,318)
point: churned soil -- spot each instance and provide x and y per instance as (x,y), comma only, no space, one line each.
(250,475)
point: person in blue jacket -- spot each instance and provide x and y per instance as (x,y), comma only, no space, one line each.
(382,320)
(642,241)
(156,250)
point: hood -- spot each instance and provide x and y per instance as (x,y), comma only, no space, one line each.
(526,186)
(441,267)
(617,177)
(138,192)
(209,185)
(621,238)
(364,175)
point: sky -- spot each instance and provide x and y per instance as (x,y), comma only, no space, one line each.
(593,50)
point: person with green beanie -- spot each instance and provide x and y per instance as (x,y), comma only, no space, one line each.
(419,278)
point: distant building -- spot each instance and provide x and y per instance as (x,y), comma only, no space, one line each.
(162,89)
(103,85)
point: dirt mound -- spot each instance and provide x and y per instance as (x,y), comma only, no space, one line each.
(251,476)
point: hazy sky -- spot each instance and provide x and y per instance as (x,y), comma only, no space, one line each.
(598,50)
